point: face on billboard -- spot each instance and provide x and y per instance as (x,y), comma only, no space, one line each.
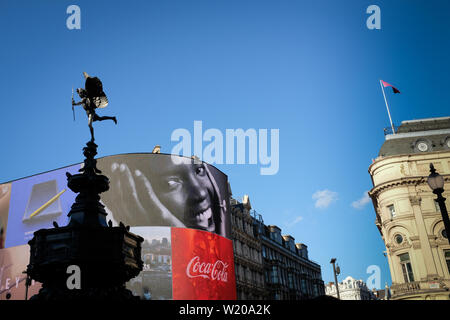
(187,192)
(152,190)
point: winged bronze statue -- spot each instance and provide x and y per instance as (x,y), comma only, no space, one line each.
(92,98)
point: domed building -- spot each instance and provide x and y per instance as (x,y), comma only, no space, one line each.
(350,289)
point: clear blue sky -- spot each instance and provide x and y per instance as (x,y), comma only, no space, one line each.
(307,68)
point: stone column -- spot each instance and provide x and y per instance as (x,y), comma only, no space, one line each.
(426,265)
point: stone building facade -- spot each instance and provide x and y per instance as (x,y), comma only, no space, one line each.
(247,253)
(407,216)
(267,264)
(289,274)
(350,289)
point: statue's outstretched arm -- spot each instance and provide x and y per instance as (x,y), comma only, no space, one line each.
(78,103)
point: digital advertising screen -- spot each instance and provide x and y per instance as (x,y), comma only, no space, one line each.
(5,195)
(166,190)
(178,205)
(35,202)
(184,264)
(13,262)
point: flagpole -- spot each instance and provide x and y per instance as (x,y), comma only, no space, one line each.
(387,107)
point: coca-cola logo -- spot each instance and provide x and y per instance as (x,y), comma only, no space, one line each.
(214,271)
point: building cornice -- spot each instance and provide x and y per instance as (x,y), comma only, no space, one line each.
(405,181)
(401,182)
(394,221)
(398,158)
(425,133)
(276,246)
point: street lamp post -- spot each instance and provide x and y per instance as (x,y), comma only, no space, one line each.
(436,183)
(333,260)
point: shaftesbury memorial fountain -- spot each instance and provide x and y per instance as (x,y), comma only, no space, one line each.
(104,256)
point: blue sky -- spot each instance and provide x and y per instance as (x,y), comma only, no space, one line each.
(308,68)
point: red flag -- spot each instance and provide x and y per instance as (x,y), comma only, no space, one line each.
(385,84)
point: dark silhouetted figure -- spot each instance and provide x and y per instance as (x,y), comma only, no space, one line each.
(107,256)
(93,97)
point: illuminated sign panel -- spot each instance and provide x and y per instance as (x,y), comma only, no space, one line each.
(203,266)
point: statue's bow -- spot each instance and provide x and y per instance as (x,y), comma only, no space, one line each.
(73,110)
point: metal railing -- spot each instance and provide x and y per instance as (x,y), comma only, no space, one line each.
(416,287)
(388,130)
(255,215)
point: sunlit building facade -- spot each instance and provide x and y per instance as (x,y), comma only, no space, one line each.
(350,289)
(407,215)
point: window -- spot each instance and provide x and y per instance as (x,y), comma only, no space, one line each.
(398,239)
(315,291)
(447,259)
(266,276)
(391,209)
(444,233)
(303,286)
(274,275)
(422,146)
(405,263)
(436,206)
(241,272)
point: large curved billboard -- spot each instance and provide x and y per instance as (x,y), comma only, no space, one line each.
(166,190)
(178,204)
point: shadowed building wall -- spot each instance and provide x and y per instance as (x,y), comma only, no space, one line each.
(270,265)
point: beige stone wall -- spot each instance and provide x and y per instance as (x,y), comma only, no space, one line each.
(401,181)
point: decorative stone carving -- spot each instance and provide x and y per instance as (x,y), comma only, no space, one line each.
(415,200)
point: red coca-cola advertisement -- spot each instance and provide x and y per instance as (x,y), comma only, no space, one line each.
(203,266)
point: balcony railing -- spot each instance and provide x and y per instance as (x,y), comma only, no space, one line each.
(388,130)
(416,287)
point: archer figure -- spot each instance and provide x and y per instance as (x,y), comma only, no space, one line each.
(93,97)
